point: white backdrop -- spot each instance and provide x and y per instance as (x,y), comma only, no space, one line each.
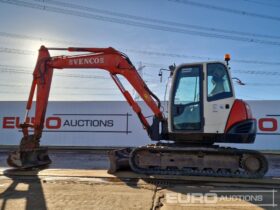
(115,124)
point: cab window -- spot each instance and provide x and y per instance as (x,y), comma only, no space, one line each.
(219,86)
(186,109)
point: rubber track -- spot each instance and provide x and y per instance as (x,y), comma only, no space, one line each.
(241,173)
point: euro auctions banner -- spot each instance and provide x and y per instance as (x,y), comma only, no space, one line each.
(113,123)
(77,124)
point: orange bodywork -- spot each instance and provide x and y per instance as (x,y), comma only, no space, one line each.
(109,59)
(240,111)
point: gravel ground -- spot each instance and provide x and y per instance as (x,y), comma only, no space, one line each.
(56,192)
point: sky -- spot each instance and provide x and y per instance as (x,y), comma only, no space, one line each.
(153,33)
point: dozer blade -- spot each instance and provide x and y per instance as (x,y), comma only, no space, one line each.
(34,158)
(119,160)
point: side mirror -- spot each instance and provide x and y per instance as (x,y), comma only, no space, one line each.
(171,70)
(238,81)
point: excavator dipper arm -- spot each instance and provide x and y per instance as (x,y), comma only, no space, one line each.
(109,59)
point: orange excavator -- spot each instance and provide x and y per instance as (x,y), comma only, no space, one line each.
(202,111)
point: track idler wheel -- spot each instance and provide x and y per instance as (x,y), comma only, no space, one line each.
(254,164)
(119,160)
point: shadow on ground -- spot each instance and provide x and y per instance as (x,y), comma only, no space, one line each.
(24,188)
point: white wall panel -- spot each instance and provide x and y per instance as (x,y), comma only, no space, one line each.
(115,124)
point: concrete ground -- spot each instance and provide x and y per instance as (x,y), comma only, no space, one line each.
(77,180)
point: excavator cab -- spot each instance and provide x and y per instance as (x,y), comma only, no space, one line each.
(201,106)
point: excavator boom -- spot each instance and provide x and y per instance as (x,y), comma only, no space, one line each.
(109,59)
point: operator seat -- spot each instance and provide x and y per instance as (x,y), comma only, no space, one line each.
(218,86)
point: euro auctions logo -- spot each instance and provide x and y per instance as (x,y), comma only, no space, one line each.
(224,198)
(69,122)
(14,122)
(57,123)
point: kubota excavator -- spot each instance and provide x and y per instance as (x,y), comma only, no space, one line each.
(202,111)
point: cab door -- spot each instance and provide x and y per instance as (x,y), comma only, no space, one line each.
(186,100)
(218,97)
